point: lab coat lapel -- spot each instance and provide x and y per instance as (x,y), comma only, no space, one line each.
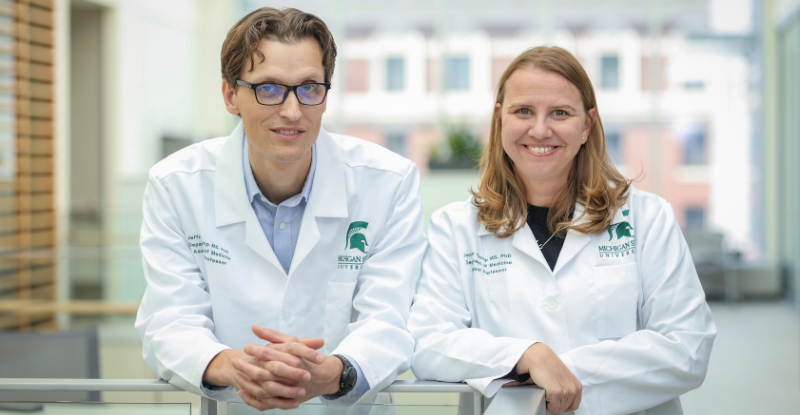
(524,240)
(574,242)
(230,195)
(328,197)
(257,241)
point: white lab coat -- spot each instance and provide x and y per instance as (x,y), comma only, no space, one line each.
(624,310)
(211,273)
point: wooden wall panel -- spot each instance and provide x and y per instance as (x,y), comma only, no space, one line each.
(8,321)
(27,215)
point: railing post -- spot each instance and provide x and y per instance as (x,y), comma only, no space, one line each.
(477,403)
(208,406)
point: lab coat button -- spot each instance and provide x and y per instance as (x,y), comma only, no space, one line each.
(552,303)
(263,199)
(282,226)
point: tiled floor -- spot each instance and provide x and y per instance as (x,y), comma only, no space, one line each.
(755,363)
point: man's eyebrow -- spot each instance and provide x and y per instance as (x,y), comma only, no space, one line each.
(271,79)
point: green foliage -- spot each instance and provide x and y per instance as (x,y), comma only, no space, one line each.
(463,150)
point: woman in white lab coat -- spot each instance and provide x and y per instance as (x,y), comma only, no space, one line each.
(558,271)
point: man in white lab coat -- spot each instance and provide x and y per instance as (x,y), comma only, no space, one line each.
(281,260)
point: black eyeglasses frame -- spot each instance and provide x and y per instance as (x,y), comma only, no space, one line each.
(289,88)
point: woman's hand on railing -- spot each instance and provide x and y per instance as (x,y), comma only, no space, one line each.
(562,389)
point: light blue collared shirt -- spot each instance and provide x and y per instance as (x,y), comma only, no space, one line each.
(281,225)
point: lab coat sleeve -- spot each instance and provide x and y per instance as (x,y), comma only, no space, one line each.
(669,354)
(175,318)
(447,348)
(378,340)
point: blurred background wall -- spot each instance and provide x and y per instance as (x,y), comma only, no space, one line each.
(695,97)
(700,100)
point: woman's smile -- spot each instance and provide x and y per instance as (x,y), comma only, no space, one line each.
(540,151)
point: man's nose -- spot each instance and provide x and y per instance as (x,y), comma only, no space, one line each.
(290,109)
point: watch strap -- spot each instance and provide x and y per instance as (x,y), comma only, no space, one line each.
(348,379)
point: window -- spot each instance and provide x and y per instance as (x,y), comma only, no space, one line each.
(609,72)
(395,74)
(695,219)
(456,74)
(694,147)
(357,74)
(614,146)
(694,85)
(396,141)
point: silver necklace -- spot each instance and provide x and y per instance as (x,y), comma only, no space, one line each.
(545,242)
(548,239)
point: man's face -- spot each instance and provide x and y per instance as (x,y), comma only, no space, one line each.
(281,133)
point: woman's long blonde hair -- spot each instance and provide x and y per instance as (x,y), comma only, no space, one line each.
(593,180)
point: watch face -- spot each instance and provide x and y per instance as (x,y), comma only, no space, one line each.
(350,378)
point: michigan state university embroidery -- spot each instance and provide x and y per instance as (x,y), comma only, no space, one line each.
(620,240)
(355,239)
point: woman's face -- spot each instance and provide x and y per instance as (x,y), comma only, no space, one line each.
(542,122)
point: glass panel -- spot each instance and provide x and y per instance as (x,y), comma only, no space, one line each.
(395,74)
(396,141)
(609,72)
(694,147)
(695,219)
(614,147)
(92,408)
(456,74)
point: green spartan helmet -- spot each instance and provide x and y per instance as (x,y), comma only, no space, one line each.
(622,228)
(359,241)
(355,239)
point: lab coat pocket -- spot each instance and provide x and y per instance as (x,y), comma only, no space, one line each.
(338,309)
(617,292)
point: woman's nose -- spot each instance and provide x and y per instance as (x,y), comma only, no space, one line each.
(539,129)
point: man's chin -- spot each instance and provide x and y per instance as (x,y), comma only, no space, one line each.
(281,154)
(290,157)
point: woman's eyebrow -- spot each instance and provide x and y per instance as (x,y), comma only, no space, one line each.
(564,106)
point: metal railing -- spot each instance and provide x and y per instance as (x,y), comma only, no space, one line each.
(520,400)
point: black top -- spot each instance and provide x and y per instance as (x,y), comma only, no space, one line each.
(537,220)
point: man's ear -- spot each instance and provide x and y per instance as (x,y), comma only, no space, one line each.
(229,95)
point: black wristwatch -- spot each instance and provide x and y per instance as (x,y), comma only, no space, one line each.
(348,379)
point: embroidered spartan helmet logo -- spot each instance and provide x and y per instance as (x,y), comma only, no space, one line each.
(355,238)
(621,229)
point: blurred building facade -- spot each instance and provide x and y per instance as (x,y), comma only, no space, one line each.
(696,98)
(675,129)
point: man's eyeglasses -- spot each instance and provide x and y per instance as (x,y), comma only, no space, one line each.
(270,93)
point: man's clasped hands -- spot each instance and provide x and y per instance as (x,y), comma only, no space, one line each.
(279,375)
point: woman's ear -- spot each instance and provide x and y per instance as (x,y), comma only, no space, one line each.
(588,124)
